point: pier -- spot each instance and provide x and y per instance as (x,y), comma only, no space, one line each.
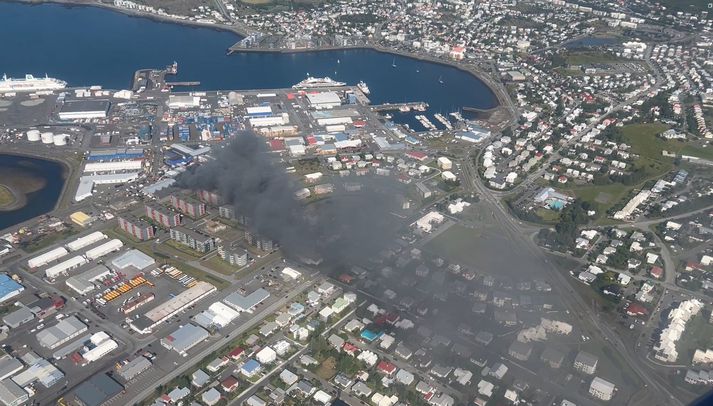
(403,107)
(174,84)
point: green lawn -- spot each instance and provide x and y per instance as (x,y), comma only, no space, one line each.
(6,196)
(700,152)
(645,143)
(147,248)
(457,243)
(198,274)
(548,216)
(48,240)
(602,197)
(642,138)
(587,58)
(217,264)
(182,249)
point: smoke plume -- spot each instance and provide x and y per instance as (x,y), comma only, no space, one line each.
(345,228)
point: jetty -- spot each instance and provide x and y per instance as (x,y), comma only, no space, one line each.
(403,107)
(190,83)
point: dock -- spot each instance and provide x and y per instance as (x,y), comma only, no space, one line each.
(191,83)
(404,107)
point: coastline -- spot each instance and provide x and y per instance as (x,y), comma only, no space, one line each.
(502,99)
(68,172)
(484,77)
(20,199)
(137,13)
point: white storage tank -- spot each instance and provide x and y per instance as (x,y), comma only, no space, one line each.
(33,135)
(60,139)
(47,138)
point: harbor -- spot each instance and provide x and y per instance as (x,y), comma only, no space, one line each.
(401,107)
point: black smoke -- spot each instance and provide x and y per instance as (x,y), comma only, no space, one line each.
(345,228)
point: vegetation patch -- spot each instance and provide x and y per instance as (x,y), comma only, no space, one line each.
(327,369)
(7,198)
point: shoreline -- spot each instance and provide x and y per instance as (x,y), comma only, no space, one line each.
(20,199)
(67,174)
(495,87)
(487,80)
(138,14)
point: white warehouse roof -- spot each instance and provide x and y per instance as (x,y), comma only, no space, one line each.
(324,99)
(180,301)
(47,257)
(113,166)
(86,240)
(64,266)
(104,249)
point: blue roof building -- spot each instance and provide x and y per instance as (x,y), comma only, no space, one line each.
(9,288)
(250,368)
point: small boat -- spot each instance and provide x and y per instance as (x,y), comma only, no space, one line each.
(338,61)
(440,79)
(393,64)
(363,87)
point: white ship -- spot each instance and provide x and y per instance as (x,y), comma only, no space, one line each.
(312,83)
(363,87)
(30,84)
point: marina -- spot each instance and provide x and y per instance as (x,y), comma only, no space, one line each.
(443,120)
(402,107)
(200,52)
(426,122)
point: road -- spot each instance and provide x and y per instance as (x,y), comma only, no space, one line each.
(224,340)
(658,388)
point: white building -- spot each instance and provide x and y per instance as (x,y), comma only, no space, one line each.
(601,389)
(427,222)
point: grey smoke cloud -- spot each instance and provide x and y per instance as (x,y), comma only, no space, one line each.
(343,229)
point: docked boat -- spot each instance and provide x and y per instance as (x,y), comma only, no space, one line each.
(315,83)
(363,87)
(30,84)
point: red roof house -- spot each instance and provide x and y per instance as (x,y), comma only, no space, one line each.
(236,353)
(386,367)
(229,384)
(635,309)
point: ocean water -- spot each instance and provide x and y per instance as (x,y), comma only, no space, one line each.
(95,46)
(41,201)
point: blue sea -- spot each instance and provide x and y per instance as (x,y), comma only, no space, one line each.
(95,46)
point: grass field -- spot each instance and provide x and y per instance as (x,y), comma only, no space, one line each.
(198,274)
(187,252)
(328,369)
(588,58)
(548,216)
(700,152)
(456,243)
(602,197)
(6,196)
(217,264)
(645,143)
(49,239)
(146,248)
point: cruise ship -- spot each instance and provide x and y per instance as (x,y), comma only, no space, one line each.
(363,87)
(30,84)
(314,83)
